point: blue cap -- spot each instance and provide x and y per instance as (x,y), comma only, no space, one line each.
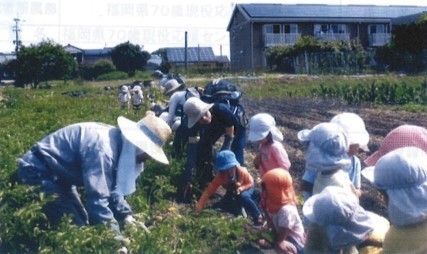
(225,160)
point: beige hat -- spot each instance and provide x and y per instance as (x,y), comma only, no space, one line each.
(171,86)
(195,108)
(149,135)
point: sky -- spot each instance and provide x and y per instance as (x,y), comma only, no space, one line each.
(95,24)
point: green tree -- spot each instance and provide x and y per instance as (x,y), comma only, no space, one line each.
(129,58)
(43,62)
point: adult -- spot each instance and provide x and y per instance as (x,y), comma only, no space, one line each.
(401,175)
(103,159)
(238,183)
(211,121)
(175,116)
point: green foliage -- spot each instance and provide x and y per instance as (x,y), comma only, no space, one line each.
(128,58)
(42,62)
(115,75)
(311,55)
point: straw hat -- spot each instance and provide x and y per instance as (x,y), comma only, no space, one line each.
(195,108)
(260,125)
(354,128)
(149,135)
(402,136)
(171,86)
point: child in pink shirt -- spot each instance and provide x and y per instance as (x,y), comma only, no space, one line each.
(272,154)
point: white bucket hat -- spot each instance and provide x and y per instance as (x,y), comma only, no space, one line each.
(354,128)
(346,222)
(195,108)
(260,125)
(171,85)
(402,173)
(327,149)
(148,135)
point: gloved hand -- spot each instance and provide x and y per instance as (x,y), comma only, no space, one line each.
(130,220)
(227,143)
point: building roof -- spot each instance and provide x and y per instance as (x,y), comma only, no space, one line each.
(410,18)
(315,12)
(98,52)
(72,49)
(194,54)
(4,57)
(222,59)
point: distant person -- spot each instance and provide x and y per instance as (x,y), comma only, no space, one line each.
(138,97)
(355,130)
(401,176)
(124,97)
(281,211)
(103,159)
(238,183)
(342,225)
(161,77)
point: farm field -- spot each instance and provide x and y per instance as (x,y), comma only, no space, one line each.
(27,115)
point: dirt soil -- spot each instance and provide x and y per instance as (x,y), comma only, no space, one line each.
(295,114)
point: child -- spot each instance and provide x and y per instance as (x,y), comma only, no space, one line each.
(401,175)
(342,225)
(281,210)
(238,182)
(354,128)
(124,97)
(272,154)
(138,97)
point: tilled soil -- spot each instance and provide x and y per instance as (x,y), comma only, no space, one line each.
(295,114)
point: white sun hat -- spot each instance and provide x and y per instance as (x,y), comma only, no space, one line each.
(148,135)
(327,149)
(354,127)
(260,125)
(195,108)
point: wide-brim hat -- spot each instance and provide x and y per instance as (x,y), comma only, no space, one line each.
(260,125)
(195,108)
(327,149)
(402,136)
(338,210)
(149,135)
(171,86)
(403,167)
(354,127)
(225,160)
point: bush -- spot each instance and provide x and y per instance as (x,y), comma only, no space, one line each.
(115,75)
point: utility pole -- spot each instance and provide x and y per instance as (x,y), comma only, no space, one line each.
(16,29)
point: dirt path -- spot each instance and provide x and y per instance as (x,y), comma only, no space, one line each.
(294,114)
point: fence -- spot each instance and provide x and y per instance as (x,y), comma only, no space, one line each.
(328,62)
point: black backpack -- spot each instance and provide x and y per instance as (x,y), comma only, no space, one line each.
(222,91)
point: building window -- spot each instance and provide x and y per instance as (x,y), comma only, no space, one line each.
(379,29)
(281,28)
(330,28)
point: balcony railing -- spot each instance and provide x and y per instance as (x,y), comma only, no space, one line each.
(271,39)
(333,36)
(379,39)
